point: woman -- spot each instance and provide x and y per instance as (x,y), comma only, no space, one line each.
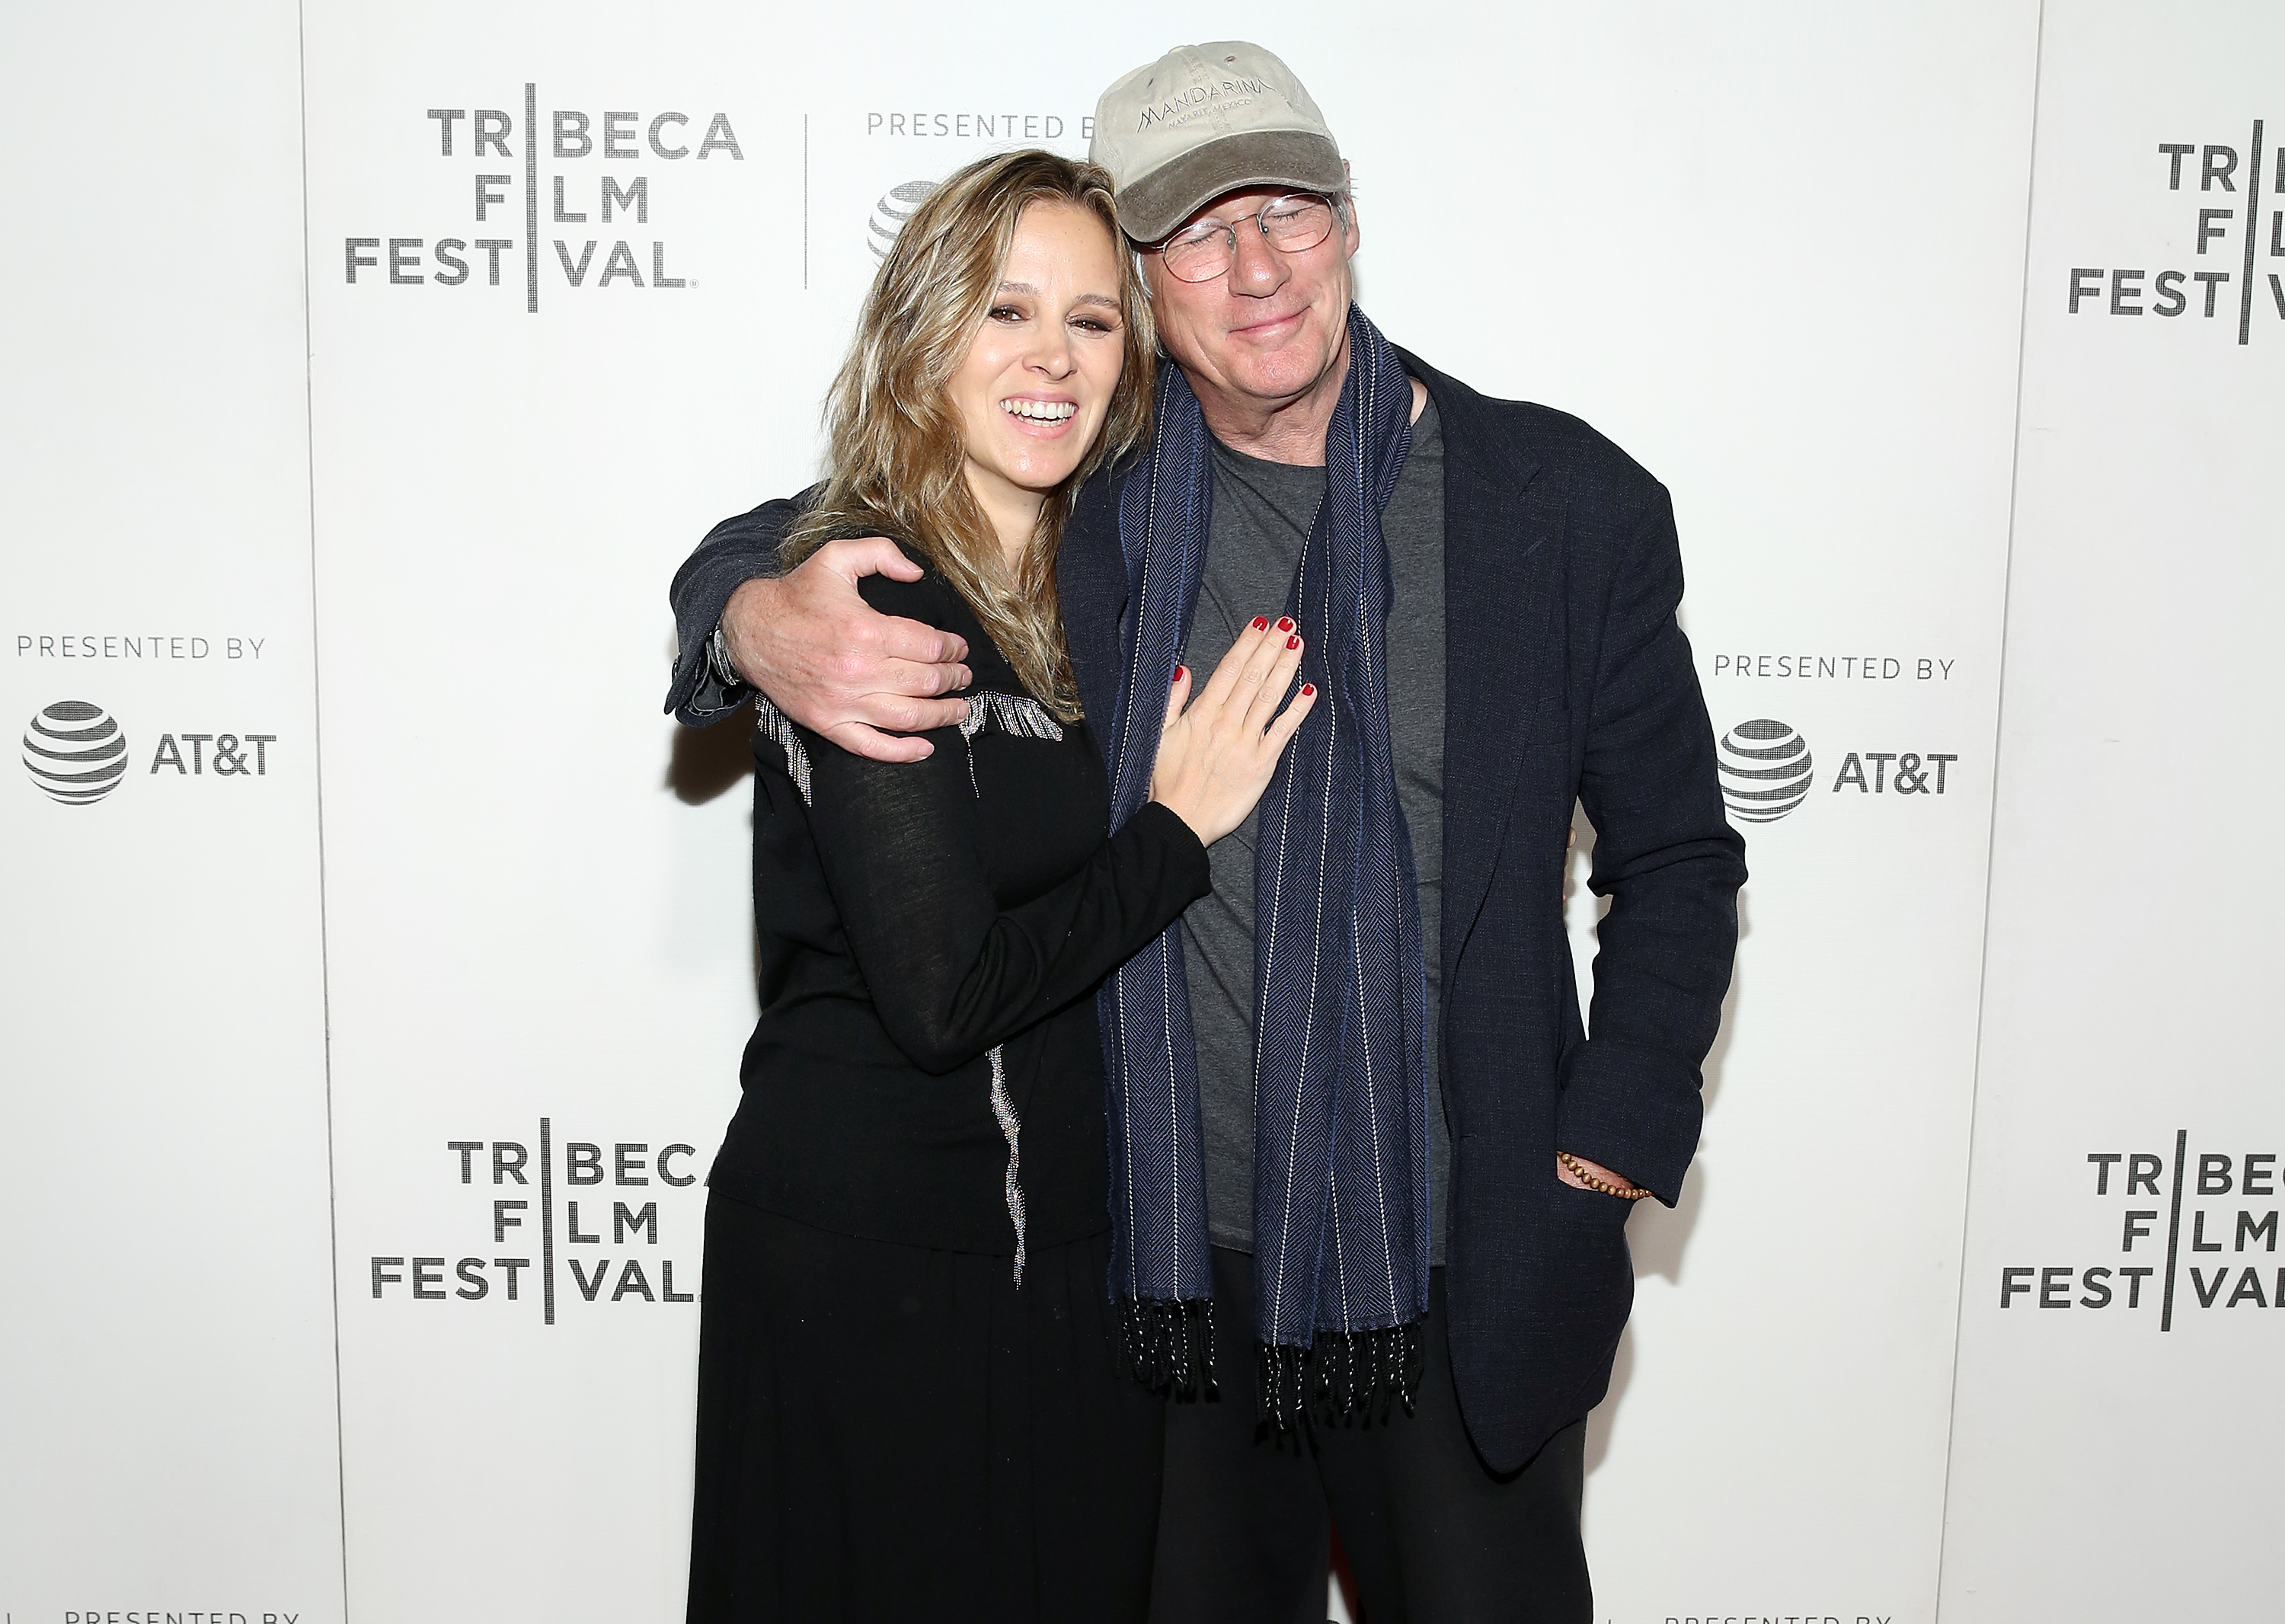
(908,1404)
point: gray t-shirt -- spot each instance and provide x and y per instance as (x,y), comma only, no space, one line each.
(1262,512)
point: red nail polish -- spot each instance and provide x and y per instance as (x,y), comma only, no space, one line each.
(1258,623)
(1285,624)
(1308,688)
(1178,673)
(1292,642)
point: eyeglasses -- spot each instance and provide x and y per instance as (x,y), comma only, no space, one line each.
(1292,224)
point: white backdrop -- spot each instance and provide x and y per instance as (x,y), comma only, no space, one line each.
(2114,1458)
(354,1119)
(167,1434)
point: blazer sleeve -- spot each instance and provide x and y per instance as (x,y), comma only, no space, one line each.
(1671,865)
(953,973)
(734,552)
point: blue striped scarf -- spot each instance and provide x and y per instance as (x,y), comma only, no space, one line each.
(1341,1070)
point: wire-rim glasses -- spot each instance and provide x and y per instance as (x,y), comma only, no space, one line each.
(1292,224)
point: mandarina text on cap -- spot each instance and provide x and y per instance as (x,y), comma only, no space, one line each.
(1206,120)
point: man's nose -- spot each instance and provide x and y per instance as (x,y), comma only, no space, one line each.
(1257,268)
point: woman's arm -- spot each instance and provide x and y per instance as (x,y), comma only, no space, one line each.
(951,972)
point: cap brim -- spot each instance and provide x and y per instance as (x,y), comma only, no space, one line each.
(1152,205)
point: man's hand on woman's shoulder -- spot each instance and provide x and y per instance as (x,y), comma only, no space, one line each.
(824,657)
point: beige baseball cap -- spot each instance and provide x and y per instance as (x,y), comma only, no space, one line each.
(1204,120)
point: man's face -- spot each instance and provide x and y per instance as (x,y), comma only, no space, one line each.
(1274,325)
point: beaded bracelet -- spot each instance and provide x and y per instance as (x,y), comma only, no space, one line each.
(1578,1170)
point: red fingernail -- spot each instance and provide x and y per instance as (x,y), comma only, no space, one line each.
(1258,623)
(1178,673)
(1292,642)
(1285,624)
(1308,690)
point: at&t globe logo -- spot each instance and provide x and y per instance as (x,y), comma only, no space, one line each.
(890,213)
(1766,770)
(75,751)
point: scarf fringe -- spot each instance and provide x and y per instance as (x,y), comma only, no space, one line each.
(1347,1373)
(1168,1344)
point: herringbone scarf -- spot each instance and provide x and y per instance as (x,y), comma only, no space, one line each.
(1340,1072)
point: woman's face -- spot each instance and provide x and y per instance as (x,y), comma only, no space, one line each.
(1037,384)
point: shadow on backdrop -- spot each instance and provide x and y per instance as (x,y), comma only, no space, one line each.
(703,762)
(1659,1237)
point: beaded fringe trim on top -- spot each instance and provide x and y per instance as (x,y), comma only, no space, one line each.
(1004,1108)
(772,724)
(1017,715)
(1021,717)
(1011,713)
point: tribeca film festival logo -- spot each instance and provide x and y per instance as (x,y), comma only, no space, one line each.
(2224,278)
(592,191)
(78,753)
(1766,770)
(608,1243)
(2235,1214)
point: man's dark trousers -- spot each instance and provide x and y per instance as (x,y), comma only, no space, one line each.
(1432,1535)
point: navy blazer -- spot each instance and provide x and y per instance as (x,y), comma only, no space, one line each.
(1566,678)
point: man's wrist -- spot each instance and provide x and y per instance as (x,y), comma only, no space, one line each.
(1599,1178)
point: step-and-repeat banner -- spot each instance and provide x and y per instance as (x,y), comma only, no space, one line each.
(378,957)
(2123,1314)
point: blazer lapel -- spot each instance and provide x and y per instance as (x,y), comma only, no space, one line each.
(1503,636)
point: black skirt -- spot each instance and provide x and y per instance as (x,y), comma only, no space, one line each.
(890,1433)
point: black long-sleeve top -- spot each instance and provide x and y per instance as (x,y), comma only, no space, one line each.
(912,916)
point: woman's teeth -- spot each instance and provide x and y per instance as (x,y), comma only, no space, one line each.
(1039,411)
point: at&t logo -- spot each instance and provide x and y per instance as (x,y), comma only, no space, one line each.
(890,214)
(1766,770)
(75,752)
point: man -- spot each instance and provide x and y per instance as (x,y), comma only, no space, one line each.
(1493,588)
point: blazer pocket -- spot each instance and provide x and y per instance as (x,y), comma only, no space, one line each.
(1594,1227)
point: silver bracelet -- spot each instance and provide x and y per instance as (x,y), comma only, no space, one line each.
(718,654)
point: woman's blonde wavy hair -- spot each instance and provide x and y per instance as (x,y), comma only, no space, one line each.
(895,453)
